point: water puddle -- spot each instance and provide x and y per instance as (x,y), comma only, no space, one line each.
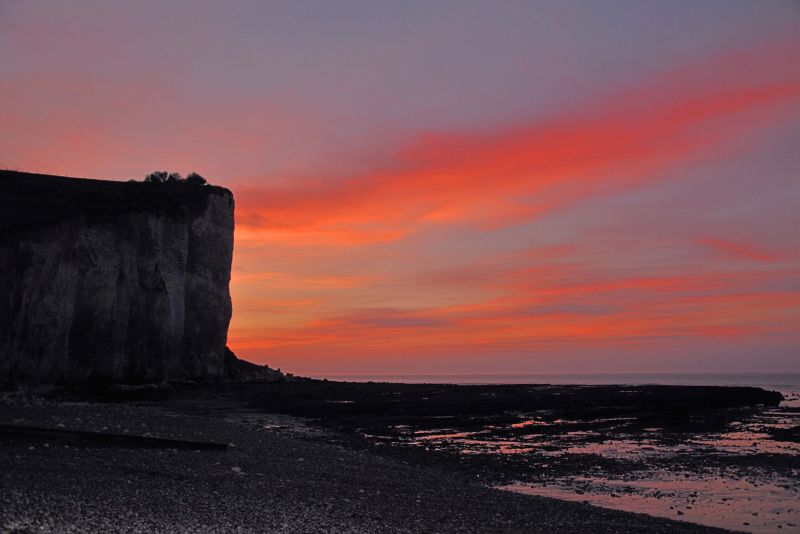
(759,434)
(740,472)
(739,504)
(744,442)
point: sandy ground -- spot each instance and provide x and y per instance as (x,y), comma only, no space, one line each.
(271,479)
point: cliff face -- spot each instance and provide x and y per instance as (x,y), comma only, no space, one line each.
(113,282)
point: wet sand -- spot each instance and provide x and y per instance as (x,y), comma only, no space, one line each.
(723,457)
(745,476)
(276,476)
(729,502)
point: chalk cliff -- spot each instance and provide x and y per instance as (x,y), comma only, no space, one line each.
(120,282)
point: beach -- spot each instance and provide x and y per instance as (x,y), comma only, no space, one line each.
(279,472)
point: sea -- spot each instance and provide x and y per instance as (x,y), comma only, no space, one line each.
(743,478)
(786,383)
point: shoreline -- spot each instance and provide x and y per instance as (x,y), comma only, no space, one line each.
(283,473)
(266,482)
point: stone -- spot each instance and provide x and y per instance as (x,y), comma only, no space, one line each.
(113,282)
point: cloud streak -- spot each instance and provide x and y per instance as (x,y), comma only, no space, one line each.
(622,312)
(636,289)
(515,175)
(496,187)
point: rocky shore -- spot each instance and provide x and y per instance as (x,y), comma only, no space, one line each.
(273,477)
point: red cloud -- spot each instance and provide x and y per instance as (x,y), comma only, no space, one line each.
(506,177)
(556,296)
(617,311)
(739,250)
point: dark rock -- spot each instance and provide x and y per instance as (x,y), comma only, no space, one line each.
(237,370)
(786,434)
(113,282)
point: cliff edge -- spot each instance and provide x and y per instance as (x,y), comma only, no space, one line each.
(113,282)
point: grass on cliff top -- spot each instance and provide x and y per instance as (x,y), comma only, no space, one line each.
(28,199)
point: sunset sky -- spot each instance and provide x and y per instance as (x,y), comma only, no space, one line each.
(452,187)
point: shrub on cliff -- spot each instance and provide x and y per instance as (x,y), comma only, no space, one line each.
(163,177)
(156,177)
(195,179)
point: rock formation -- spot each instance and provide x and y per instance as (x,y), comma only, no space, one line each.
(121,282)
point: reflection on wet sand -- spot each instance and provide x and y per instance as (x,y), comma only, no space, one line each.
(737,504)
(645,447)
(740,472)
(750,437)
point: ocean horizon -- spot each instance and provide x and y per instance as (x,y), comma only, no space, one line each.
(787,384)
(698,378)
(669,471)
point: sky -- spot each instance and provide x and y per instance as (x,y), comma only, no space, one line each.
(452,187)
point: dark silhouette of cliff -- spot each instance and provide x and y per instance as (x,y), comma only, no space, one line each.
(115,282)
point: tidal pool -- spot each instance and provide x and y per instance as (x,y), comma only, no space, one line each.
(721,501)
(740,472)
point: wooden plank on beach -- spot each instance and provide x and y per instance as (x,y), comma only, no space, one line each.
(102,438)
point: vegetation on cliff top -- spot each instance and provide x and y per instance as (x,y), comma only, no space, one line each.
(30,199)
(164,177)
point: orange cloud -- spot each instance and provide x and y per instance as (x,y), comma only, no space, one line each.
(614,312)
(738,250)
(552,296)
(507,177)
(295,280)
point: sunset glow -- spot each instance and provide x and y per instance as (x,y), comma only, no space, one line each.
(649,223)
